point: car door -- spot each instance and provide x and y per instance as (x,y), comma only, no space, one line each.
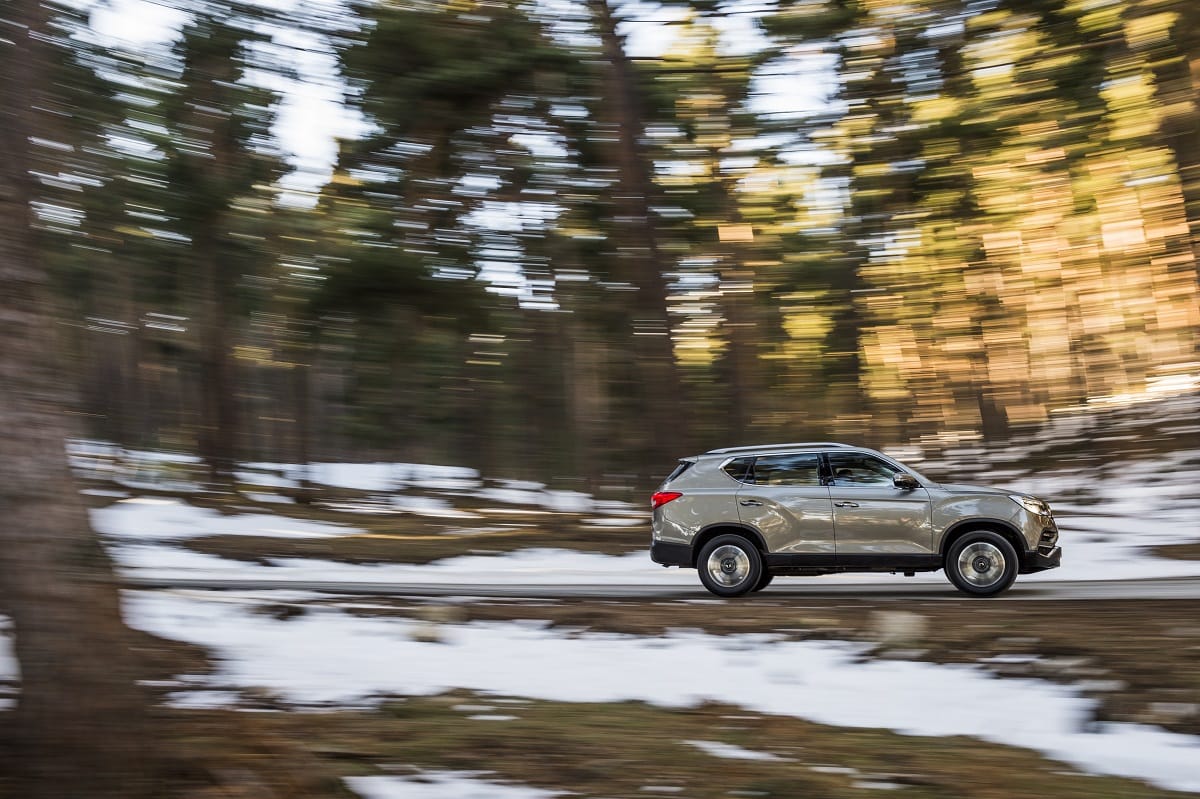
(872,518)
(784,497)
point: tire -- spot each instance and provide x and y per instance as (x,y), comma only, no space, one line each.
(764,581)
(981,563)
(729,566)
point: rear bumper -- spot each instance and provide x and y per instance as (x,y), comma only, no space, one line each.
(1037,562)
(669,554)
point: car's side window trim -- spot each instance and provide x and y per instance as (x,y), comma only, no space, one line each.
(825,466)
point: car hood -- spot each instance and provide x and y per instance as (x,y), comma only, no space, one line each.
(958,488)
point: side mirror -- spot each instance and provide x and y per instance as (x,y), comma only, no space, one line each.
(905,481)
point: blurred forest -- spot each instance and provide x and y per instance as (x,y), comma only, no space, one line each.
(550,256)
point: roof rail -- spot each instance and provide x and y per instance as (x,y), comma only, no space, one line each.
(727,450)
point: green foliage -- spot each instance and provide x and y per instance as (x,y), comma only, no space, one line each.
(429,73)
(992,218)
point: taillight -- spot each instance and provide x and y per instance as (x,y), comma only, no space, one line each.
(663,497)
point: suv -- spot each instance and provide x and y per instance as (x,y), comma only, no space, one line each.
(743,515)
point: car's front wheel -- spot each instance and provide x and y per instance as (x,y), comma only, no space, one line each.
(729,565)
(981,563)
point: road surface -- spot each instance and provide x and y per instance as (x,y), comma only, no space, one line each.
(782,588)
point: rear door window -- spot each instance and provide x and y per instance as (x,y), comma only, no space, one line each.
(789,470)
(739,469)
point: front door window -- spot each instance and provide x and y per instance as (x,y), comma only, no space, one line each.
(860,469)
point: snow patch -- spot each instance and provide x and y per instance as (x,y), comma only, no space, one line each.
(442,785)
(731,752)
(328,657)
(10,670)
(156,519)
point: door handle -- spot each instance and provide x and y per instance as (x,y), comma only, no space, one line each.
(750,502)
(846,504)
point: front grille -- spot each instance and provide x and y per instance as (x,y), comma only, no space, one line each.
(1047,541)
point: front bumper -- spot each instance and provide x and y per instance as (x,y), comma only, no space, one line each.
(670,554)
(1037,562)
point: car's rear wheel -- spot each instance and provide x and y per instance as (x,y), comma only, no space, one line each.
(729,565)
(981,563)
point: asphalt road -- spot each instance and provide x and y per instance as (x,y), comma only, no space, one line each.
(1180,588)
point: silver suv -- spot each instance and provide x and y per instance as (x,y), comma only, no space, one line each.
(743,515)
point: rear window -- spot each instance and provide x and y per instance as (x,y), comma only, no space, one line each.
(680,469)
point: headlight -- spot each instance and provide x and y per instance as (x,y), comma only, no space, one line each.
(1034,506)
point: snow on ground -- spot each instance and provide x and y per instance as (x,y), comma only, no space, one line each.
(432,507)
(329,657)
(442,785)
(384,482)
(1109,519)
(1091,559)
(10,671)
(731,752)
(160,519)
(523,567)
(371,477)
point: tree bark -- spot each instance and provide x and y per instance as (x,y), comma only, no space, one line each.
(219,420)
(80,723)
(664,428)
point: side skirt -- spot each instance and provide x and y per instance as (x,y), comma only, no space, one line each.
(792,564)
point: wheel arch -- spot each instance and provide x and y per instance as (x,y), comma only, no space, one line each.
(710,532)
(998,526)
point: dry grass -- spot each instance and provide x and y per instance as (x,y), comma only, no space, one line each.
(1179,551)
(616,750)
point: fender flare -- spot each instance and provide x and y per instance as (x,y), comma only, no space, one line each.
(711,531)
(1005,528)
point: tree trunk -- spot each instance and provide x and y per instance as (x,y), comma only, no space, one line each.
(663,420)
(218,402)
(1177,76)
(80,719)
(741,359)
(302,430)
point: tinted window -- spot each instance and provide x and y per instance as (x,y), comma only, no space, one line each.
(680,469)
(738,468)
(855,468)
(787,470)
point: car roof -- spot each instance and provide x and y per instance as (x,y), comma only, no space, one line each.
(776,447)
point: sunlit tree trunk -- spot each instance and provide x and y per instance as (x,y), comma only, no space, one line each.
(1178,80)
(80,722)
